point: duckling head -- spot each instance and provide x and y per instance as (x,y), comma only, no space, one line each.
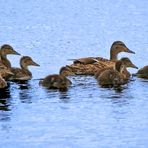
(27,61)
(128,63)
(66,71)
(117,47)
(7,49)
(119,66)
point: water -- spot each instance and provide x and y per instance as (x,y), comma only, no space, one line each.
(86,116)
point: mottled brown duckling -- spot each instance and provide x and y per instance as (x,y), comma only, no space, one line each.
(143,72)
(4,51)
(90,68)
(116,48)
(127,63)
(3,83)
(57,81)
(23,73)
(113,77)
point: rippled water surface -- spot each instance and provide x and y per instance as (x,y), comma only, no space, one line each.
(85,116)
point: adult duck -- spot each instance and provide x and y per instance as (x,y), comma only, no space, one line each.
(116,76)
(88,66)
(4,51)
(116,48)
(57,81)
(143,72)
(23,72)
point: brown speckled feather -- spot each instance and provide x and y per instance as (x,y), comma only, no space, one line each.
(90,69)
(20,74)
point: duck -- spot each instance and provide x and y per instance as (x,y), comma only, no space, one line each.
(116,76)
(143,72)
(3,83)
(127,62)
(23,72)
(57,81)
(4,51)
(4,62)
(89,65)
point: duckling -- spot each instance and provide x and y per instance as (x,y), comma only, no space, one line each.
(23,73)
(57,81)
(88,66)
(113,77)
(4,51)
(116,48)
(3,83)
(143,72)
(127,62)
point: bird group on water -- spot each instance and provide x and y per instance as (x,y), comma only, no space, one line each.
(108,72)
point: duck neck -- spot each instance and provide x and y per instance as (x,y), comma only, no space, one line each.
(5,61)
(113,55)
(119,66)
(24,67)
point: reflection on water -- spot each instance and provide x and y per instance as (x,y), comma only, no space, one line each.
(5,93)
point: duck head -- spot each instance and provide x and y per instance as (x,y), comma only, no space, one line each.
(7,49)
(27,61)
(117,47)
(119,66)
(128,63)
(66,71)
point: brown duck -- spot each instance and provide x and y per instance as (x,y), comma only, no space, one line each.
(127,63)
(4,51)
(88,66)
(113,77)
(57,81)
(23,73)
(143,72)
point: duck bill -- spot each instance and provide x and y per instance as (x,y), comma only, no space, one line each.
(34,64)
(130,51)
(16,53)
(134,66)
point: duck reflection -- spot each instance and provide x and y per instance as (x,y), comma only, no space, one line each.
(64,96)
(5,98)
(25,94)
(5,93)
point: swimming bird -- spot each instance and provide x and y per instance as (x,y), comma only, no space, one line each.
(127,63)
(88,66)
(116,48)
(23,72)
(116,76)
(143,72)
(4,51)
(57,81)
(4,62)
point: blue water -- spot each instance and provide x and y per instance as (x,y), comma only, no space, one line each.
(86,116)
